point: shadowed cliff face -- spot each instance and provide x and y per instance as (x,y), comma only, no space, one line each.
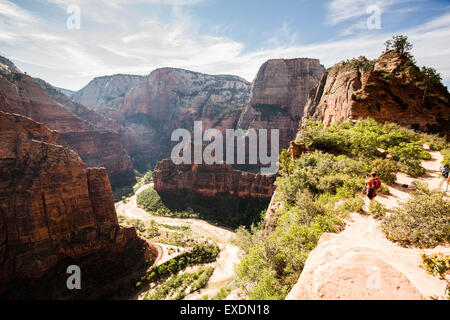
(216,192)
(54,213)
(388,89)
(97,146)
(279,94)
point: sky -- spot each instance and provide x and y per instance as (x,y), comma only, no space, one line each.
(69,42)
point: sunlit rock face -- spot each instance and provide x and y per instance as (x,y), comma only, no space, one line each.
(384,90)
(340,268)
(148,109)
(279,94)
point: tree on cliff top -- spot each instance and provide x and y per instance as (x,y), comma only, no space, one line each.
(400,44)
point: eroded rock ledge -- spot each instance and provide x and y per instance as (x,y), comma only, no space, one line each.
(217,192)
(217,180)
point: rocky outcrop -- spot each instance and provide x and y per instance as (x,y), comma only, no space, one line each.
(215,192)
(54,213)
(390,89)
(279,94)
(217,180)
(342,269)
(97,146)
(361,263)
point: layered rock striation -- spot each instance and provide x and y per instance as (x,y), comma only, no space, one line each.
(215,192)
(107,91)
(279,94)
(96,145)
(150,109)
(53,214)
(217,180)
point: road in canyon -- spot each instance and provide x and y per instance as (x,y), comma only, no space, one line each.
(229,256)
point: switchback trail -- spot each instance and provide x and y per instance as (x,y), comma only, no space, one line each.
(229,253)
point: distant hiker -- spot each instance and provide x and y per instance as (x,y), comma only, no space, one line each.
(373,184)
(445,170)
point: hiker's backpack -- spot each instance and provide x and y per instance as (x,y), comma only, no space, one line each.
(445,172)
(376,184)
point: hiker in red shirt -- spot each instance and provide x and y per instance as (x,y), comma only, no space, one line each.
(373,184)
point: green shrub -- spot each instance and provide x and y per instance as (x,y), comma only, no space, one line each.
(150,200)
(423,221)
(181,285)
(352,205)
(413,168)
(377,210)
(393,138)
(419,188)
(222,294)
(201,253)
(318,137)
(386,170)
(407,151)
(273,265)
(320,172)
(438,265)
(435,142)
(446,154)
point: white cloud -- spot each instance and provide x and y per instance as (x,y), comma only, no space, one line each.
(69,58)
(12,11)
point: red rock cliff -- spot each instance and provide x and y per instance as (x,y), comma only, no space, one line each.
(214,192)
(150,108)
(388,89)
(20,94)
(54,213)
(217,180)
(279,94)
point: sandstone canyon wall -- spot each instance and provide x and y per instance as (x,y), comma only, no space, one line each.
(149,109)
(217,191)
(54,213)
(107,91)
(211,180)
(78,109)
(279,94)
(97,146)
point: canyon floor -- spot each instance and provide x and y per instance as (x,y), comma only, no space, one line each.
(361,263)
(229,256)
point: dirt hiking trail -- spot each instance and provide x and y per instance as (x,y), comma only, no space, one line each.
(361,263)
(229,256)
